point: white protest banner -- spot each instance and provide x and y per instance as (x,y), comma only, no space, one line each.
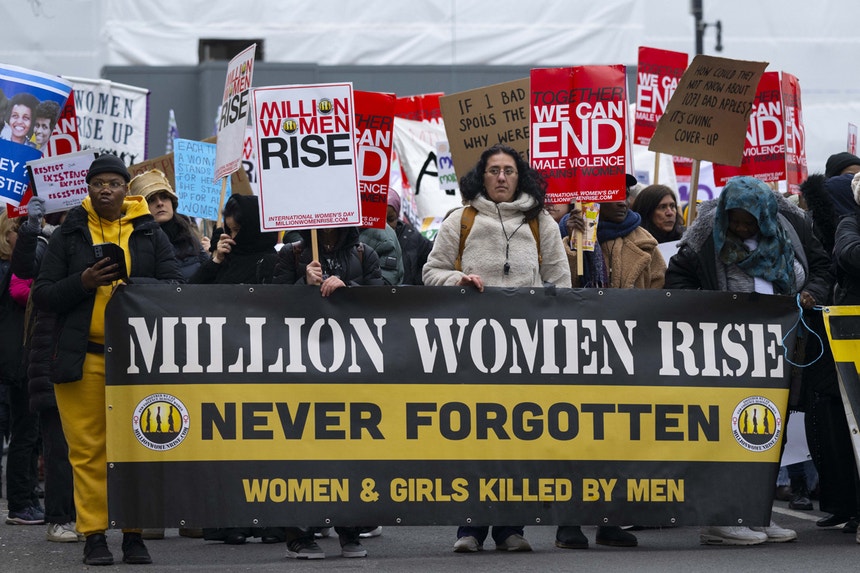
(447,175)
(62,180)
(199,193)
(307,171)
(112,118)
(249,160)
(235,105)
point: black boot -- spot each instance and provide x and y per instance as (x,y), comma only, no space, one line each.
(570,537)
(799,494)
(96,551)
(134,552)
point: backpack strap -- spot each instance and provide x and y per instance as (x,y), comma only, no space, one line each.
(466,221)
(534,225)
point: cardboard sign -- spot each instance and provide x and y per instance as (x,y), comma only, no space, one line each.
(795,134)
(235,109)
(708,114)
(62,181)
(578,132)
(374,131)
(199,192)
(657,77)
(306,156)
(479,118)
(112,118)
(764,149)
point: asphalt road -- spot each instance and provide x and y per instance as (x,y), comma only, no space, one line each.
(419,549)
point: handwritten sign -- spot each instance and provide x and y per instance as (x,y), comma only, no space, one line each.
(708,114)
(62,180)
(199,193)
(486,116)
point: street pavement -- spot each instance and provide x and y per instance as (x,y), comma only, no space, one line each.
(23,549)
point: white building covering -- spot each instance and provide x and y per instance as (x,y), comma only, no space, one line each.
(815,41)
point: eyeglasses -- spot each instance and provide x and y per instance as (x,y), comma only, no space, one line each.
(494,171)
(112,185)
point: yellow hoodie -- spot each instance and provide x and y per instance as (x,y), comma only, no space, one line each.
(104,231)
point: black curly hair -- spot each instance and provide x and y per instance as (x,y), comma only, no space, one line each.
(530,181)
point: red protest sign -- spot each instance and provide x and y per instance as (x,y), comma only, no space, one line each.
(578,132)
(657,76)
(419,107)
(374,133)
(764,147)
(795,135)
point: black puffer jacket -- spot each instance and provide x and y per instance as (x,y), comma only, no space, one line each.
(846,253)
(58,290)
(355,263)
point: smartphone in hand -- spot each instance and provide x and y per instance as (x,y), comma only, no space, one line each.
(113,252)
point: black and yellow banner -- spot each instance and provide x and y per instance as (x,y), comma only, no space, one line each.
(843,331)
(270,405)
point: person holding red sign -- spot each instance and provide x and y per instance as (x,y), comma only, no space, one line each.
(504,194)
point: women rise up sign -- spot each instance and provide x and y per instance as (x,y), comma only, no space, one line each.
(579,130)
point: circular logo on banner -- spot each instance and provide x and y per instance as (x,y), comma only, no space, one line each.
(325,106)
(160,422)
(757,424)
(290,125)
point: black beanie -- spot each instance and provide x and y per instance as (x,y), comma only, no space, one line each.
(839,161)
(108,163)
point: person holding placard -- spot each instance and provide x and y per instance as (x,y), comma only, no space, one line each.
(751,240)
(344,261)
(512,242)
(73,291)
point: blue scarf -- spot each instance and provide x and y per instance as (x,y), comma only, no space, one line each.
(773,258)
(607,230)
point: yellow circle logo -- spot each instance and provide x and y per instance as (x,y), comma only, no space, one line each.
(325,106)
(290,125)
(160,422)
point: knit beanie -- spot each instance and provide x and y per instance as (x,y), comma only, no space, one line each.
(108,163)
(839,161)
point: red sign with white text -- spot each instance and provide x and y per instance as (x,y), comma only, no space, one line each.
(795,135)
(657,76)
(374,133)
(578,132)
(765,146)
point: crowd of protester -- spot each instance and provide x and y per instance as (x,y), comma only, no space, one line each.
(52,403)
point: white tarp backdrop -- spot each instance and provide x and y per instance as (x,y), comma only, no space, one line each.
(815,41)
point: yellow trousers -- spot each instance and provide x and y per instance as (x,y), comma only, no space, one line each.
(82,411)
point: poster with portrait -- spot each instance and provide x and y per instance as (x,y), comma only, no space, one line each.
(28,99)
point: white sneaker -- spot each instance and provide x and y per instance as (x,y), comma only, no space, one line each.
(515,542)
(732,535)
(372,533)
(776,534)
(62,533)
(467,544)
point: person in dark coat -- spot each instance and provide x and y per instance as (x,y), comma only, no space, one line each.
(241,252)
(73,291)
(153,186)
(658,207)
(414,246)
(751,239)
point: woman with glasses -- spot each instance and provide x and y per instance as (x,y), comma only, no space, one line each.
(71,292)
(504,197)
